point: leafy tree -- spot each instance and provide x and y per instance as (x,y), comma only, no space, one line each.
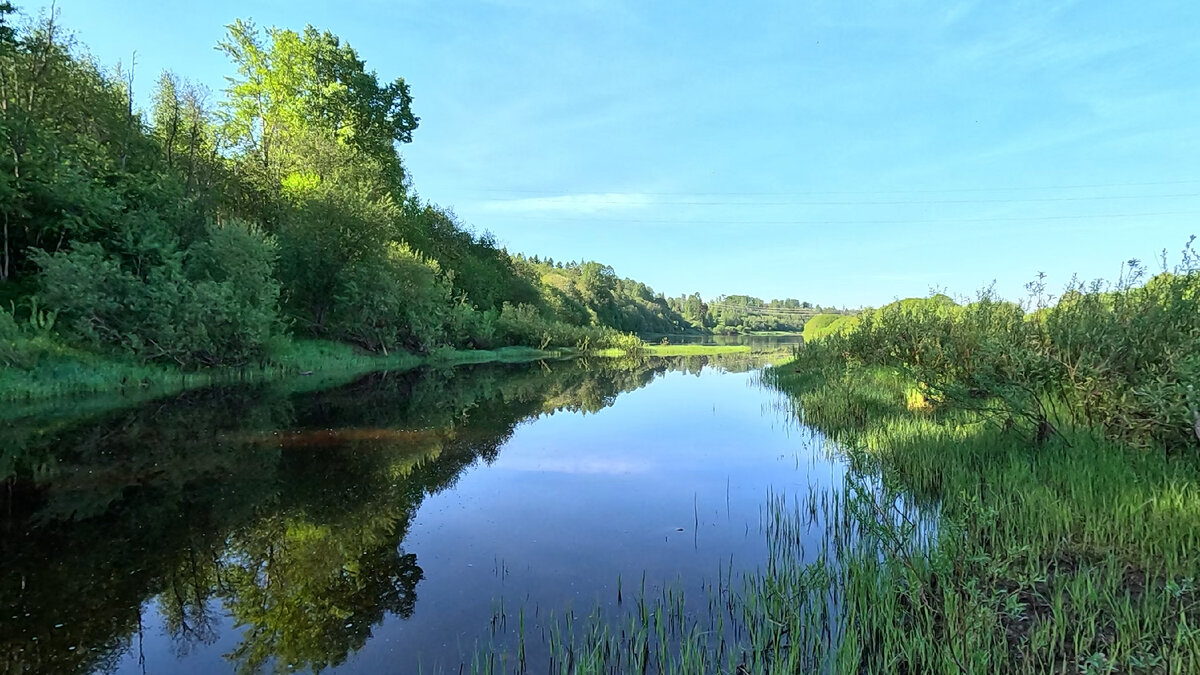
(73,154)
(291,84)
(394,301)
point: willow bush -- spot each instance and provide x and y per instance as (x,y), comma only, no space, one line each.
(1121,357)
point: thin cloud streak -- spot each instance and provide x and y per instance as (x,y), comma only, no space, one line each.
(586,203)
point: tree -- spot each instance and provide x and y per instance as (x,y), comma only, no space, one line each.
(290,85)
(69,144)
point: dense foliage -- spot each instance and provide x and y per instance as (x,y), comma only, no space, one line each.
(590,292)
(823,325)
(1123,357)
(1075,554)
(203,232)
(1056,443)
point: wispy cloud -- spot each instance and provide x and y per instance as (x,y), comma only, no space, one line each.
(584,203)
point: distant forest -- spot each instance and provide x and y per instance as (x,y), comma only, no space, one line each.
(746,314)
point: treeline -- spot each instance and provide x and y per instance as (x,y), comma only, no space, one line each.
(729,314)
(1121,358)
(591,293)
(209,230)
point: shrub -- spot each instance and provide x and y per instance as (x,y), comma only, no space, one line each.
(824,325)
(470,328)
(524,325)
(1123,358)
(212,305)
(395,301)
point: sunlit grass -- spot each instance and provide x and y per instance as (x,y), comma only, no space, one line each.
(57,370)
(1078,554)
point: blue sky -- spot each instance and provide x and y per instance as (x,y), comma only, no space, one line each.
(843,153)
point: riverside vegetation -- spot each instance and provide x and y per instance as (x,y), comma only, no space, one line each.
(232,233)
(1061,448)
(273,230)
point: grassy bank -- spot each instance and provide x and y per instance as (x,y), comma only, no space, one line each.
(58,370)
(696,350)
(1077,554)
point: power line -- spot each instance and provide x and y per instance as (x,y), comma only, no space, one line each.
(942,221)
(1011,188)
(918,202)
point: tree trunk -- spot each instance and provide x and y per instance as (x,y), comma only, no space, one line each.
(4,267)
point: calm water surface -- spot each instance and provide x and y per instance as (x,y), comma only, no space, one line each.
(386,524)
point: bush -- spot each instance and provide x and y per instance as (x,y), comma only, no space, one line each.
(1123,359)
(233,273)
(1129,359)
(212,305)
(396,301)
(631,345)
(472,329)
(824,325)
(524,325)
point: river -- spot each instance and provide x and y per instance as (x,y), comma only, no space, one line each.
(390,523)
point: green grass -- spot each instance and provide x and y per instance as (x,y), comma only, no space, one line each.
(501,355)
(49,368)
(1076,555)
(52,369)
(293,356)
(55,370)
(823,325)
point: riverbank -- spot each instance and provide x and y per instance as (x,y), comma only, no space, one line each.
(61,371)
(1069,553)
(679,350)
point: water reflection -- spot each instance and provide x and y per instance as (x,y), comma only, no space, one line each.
(267,521)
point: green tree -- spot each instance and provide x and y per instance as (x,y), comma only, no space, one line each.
(291,85)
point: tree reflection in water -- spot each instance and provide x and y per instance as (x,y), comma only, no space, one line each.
(282,509)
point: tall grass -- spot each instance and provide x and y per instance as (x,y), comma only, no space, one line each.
(1076,556)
